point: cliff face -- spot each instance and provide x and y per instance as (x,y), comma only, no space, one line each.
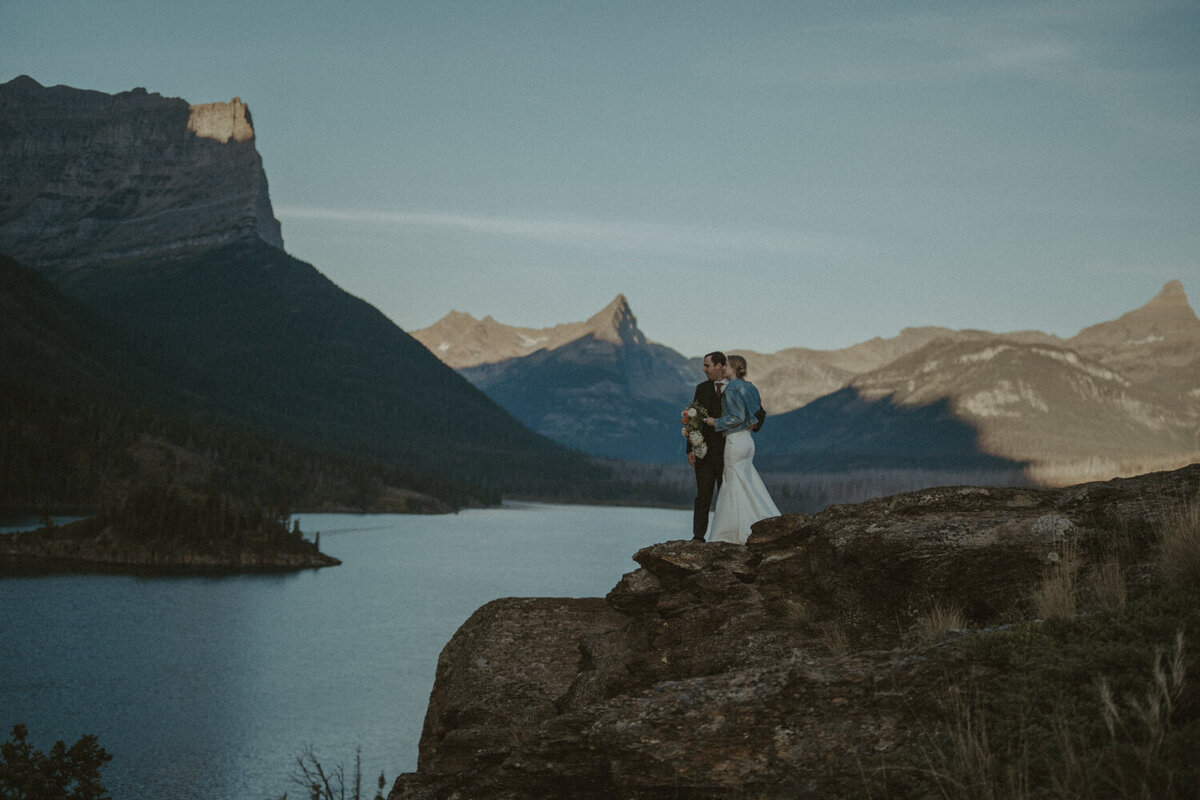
(783,669)
(91,177)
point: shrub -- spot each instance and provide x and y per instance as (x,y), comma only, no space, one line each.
(65,773)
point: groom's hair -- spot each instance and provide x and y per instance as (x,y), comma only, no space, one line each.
(716,356)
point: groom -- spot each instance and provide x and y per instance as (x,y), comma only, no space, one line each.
(708,469)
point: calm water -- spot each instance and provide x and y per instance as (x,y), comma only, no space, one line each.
(209,687)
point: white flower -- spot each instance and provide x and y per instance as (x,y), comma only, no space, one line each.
(691,412)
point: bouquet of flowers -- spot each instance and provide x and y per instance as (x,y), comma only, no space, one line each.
(693,428)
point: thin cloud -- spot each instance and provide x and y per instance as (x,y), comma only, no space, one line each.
(1068,45)
(677,240)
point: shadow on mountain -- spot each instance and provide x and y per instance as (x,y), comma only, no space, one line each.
(89,410)
(845,431)
(599,397)
(253,340)
(268,339)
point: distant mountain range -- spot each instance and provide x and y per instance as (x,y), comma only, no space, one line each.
(152,215)
(1121,397)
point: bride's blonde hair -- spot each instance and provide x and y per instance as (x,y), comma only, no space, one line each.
(739,365)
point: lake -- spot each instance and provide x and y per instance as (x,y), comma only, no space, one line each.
(209,687)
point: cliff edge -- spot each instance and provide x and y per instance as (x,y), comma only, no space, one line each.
(87,177)
(789,667)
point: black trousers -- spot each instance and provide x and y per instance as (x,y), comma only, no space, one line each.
(708,476)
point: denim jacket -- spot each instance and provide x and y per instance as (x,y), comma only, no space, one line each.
(740,403)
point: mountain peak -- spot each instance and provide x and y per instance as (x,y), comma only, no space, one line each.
(1169,308)
(1150,343)
(461,341)
(616,323)
(24,82)
(1171,296)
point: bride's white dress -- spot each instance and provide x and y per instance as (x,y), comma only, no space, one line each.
(743,498)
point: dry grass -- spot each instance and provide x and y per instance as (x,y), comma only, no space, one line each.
(937,622)
(796,611)
(970,766)
(833,636)
(1108,586)
(1056,598)
(1131,765)
(1145,722)
(1179,561)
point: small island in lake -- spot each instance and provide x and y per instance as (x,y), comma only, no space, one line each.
(157,530)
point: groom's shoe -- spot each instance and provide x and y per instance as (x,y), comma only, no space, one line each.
(699,539)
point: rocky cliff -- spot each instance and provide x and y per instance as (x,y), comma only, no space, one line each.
(87,177)
(783,669)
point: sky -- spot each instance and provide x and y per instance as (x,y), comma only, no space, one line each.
(750,175)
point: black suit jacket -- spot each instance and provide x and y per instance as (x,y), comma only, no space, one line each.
(706,395)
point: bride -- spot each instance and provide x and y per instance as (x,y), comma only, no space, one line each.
(743,498)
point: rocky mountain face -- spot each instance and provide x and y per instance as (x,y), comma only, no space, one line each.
(1156,346)
(1061,411)
(792,378)
(87,177)
(1120,398)
(462,341)
(782,669)
(597,386)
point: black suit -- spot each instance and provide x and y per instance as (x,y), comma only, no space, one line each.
(709,468)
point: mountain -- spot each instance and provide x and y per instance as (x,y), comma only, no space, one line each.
(154,214)
(794,377)
(1155,345)
(91,412)
(975,403)
(1119,398)
(92,177)
(462,341)
(603,388)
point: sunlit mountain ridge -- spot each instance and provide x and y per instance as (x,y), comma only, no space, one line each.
(1121,397)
